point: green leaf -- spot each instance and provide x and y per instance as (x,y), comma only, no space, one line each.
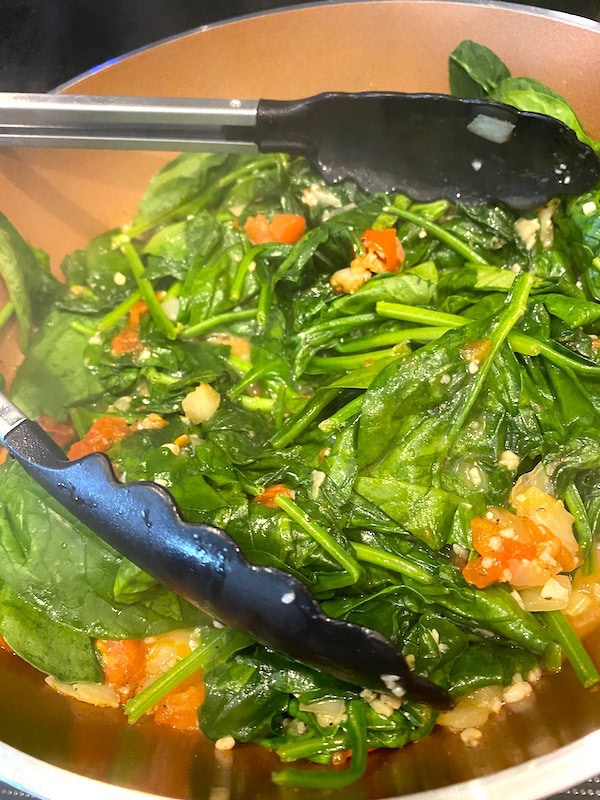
(423,510)
(571,310)
(27,278)
(177,183)
(475,71)
(49,646)
(54,376)
(41,543)
(528,94)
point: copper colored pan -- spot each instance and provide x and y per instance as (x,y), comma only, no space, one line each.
(60,199)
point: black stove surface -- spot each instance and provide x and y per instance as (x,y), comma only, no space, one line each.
(46,42)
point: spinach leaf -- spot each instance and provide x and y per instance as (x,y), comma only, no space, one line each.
(54,376)
(177,183)
(528,94)
(26,275)
(408,287)
(49,646)
(242,700)
(41,542)
(475,71)
(102,270)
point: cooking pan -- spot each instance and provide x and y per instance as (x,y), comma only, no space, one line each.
(60,749)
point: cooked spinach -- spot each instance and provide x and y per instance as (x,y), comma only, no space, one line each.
(392,415)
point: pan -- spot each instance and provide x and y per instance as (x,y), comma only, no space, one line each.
(60,199)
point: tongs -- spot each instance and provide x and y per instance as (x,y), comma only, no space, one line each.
(425,145)
(204,565)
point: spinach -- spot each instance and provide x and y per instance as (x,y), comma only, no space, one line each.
(54,376)
(387,415)
(475,71)
(26,275)
(48,645)
(41,543)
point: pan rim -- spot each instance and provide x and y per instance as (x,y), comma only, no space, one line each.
(559,16)
(554,772)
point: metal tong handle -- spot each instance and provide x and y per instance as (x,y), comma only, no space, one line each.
(205,566)
(158,123)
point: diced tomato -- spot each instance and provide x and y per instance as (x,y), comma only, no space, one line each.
(386,247)
(123,663)
(63,433)
(515,550)
(136,312)
(127,340)
(283,228)
(103,433)
(130,665)
(179,708)
(267,498)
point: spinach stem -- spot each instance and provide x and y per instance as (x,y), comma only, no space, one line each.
(253,375)
(297,423)
(116,315)
(309,779)
(440,233)
(342,415)
(515,309)
(6,313)
(391,561)
(245,265)
(220,646)
(324,364)
(155,308)
(86,330)
(585,536)
(321,536)
(333,327)
(190,331)
(258,403)
(527,346)
(565,636)
(237,284)
(427,334)
(422,316)
(264,304)
(519,342)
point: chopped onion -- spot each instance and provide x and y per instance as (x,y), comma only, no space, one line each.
(491,128)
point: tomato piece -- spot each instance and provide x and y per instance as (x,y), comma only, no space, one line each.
(123,663)
(386,246)
(62,433)
(103,433)
(287,228)
(136,312)
(267,498)
(283,228)
(514,549)
(179,708)
(127,340)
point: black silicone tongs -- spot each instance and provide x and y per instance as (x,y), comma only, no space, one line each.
(205,566)
(426,145)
